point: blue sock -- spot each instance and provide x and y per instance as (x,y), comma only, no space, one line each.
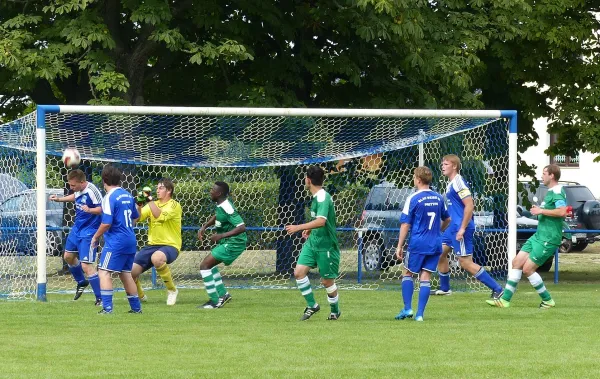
(95,283)
(77,273)
(134,303)
(444,281)
(485,278)
(424,292)
(107,297)
(408,287)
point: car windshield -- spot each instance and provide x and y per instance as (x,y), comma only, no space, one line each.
(387,198)
(397,197)
(27,202)
(576,196)
(376,199)
(12,204)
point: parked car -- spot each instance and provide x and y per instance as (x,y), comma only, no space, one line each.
(382,215)
(18,221)
(9,186)
(583,212)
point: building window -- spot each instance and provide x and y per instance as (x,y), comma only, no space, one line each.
(563,160)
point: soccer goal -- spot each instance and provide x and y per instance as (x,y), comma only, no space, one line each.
(369,156)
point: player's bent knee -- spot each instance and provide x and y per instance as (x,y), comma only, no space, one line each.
(158,258)
(331,289)
(529,268)
(300,271)
(205,266)
(70,258)
(88,268)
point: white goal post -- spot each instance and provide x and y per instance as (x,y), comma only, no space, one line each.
(263,153)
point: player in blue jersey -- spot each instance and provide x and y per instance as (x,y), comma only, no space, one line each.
(79,254)
(425,216)
(459,235)
(118,213)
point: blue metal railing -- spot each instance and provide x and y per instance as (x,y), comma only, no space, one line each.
(339,229)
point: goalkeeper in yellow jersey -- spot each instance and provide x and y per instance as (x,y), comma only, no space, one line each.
(164,236)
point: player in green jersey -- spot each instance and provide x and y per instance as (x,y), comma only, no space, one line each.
(542,244)
(230,237)
(321,248)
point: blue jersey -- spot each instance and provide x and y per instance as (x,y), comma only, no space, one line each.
(424,210)
(86,224)
(455,193)
(118,210)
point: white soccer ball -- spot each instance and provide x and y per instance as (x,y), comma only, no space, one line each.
(71,157)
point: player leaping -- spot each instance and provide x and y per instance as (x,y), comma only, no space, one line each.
(79,254)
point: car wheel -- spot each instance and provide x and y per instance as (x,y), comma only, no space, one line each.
(371,254)
(580,246)
(546,266)
(565,247)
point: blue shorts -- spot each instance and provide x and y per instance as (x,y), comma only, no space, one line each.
(461,248)
(115,261)
(144,256)
(415,262)
(81,246)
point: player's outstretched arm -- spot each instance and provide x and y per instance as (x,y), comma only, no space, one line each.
(62,199)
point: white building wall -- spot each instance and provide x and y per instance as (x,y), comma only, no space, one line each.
(588,172)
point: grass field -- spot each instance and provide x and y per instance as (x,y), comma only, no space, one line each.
(258,335)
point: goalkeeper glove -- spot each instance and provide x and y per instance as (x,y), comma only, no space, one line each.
(144,196)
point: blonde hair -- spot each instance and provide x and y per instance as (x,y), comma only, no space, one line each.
(77,175)
(454,159)
(423,174)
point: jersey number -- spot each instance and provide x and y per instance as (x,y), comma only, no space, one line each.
(431,218)
(127,215)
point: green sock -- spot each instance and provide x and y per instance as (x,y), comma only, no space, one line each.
(209,285)
(306,290)
(221,291)
(509,290)
(334,303)
(537,283)
(514,276)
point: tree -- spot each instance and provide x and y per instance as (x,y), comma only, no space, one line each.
(311,53)
(87,51)
(550,68)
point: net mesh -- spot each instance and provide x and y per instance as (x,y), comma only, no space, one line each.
(369,163)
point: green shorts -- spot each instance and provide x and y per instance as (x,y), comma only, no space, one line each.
(539,252)
(328,262)
(227,253)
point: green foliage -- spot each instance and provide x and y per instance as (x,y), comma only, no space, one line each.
(508,54)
